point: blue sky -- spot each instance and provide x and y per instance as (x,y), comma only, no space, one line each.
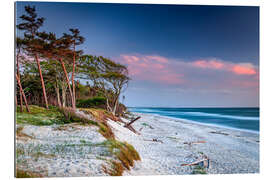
(178,56)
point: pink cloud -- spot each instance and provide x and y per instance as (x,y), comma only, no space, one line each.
(213,64)
(151,68)
(243,70)
(238,69)
(158,58)
(164,71)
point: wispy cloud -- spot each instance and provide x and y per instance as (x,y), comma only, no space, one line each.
(151,68)
(201,73)
(237,68)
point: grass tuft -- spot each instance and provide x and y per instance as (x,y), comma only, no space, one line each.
(116,169)
(124,152)
(199,170)
(26,174)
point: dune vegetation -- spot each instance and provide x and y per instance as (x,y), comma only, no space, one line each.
(61,89)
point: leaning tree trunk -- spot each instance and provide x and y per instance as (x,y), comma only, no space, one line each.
(115,105)
(64,94)
(42,81)
(67,80)
(18,73)
(73,74)
(21,89)
(108,105)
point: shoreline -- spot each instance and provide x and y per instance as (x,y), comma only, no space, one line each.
(229,151)
(195,122)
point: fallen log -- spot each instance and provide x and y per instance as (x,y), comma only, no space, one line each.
(128,124)
(132,129)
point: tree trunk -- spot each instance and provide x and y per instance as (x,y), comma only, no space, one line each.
(42,81)
(64,94)
(21,89)
(108,105)
(73,74)
(58,96)
(18,74)
(67,80)
(115,104)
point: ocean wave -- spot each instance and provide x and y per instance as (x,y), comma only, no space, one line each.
(177,119)
(221,116)
(195,113)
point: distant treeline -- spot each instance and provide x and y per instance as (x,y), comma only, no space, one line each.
(50,69)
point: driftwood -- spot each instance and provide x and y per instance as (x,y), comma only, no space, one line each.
(197,142)
(202,163)
(154,140)
(128,124)
(218,132)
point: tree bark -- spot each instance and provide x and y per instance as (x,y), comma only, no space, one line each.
(42,81)
(73,74)
(58,96)
(108,105)
(67,80)
(21,89)
(115,104)
(64,94)
(18,73)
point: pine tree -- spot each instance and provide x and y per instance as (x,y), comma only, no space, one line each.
(30,25)
(75,39)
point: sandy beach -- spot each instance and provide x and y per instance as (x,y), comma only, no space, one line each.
(164,144)
(229,151)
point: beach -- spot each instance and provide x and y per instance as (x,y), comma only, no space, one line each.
(164,144)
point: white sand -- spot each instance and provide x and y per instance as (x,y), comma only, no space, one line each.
(66,152)
(237,152)
(75,153)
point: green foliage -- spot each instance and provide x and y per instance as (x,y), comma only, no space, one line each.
(91,102)
(40,116)
(199,170)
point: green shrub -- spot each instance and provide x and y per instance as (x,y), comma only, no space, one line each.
(91,102)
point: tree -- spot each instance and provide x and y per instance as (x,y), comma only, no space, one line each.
(75,39)
(30,25)
(111,78)
(59,49)
(116,80)
(19,46)
(21,89)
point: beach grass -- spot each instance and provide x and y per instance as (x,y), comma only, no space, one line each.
(39,116)
(199,170)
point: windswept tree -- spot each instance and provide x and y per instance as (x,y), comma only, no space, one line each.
(19,47)
(115,80)
(30,25)
(58,49)
(111,78)
(74,39)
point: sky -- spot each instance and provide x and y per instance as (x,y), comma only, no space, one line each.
(177,55)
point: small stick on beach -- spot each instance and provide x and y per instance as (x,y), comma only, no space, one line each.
(197,142)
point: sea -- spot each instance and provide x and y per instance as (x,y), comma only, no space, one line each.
(247,119)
